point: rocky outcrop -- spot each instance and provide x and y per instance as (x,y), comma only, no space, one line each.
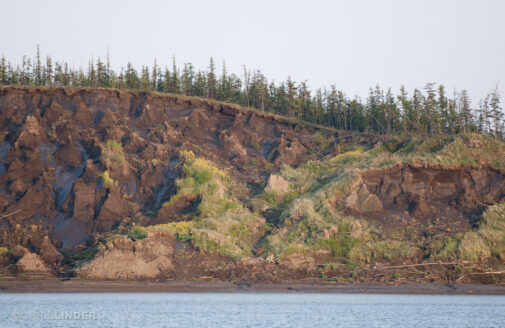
(34,203)
(83,116)
(68,154)
(113,210)
(49,253)
(125,259)
(32,134)
(84,201)
(422,192)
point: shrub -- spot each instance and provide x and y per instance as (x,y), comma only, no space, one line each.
(492,228)
(114,151)
(114,146)
(294,248)
(321,140)
(384,251)
(86,254)
(4,252)
(201,177)
(108,182)
(473,248)
(445,248)
(255,144)
(347,157)
(271,197)
(180,230)
(340,245)
(137,233)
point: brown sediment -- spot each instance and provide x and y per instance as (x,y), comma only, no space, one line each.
(54,152)
(178,286)
(415,192)
(77,163)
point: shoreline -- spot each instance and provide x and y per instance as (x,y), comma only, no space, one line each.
(181,286)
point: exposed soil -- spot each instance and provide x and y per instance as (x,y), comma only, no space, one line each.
(57,144)
(76,163)
(411,193)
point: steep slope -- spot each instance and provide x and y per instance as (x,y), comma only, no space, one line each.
(107,184)
(76,163)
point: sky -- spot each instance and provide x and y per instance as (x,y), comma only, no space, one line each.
(352,44)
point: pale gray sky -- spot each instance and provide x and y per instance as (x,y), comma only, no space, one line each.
(352,44)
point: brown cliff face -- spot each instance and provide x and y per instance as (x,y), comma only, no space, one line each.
(77,162)
(416,192)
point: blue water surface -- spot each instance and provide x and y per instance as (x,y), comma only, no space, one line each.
(249,310)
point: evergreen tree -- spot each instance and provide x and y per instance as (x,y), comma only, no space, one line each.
(38,68)
(211,80)
(49,71)
(494,103)
(3,70)
(176,83)
(430,112)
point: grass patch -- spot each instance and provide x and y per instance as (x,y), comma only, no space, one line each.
(108,182)
(4,252)
(137,233)
(340,245)
(86,254)
(180,230)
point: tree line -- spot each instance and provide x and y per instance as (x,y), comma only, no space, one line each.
(426,111)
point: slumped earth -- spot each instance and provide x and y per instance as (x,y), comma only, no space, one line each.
(114,185)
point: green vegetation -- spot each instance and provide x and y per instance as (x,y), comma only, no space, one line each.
(86,254)
(113,151)
(137,233)
(426,111)
(180,230)
(222,224)
(314,219)
(444,248)
(4,251)
(312,216)
(108,182)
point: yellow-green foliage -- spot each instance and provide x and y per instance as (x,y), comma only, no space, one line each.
(4,251)
(384,251)
(489,239)
(492,228)
(307,225)
(472,149)
(473,247)
(114,151)
(321,140)
(114,146)
(347,156)
(138,232)
(108,182)
(223,225)
(444,248)
(322,187)
(294,248)
(180,230)
(232,233)
(200,177)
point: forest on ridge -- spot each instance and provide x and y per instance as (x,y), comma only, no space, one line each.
(431,110)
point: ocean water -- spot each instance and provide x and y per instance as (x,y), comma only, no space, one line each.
(249,310)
